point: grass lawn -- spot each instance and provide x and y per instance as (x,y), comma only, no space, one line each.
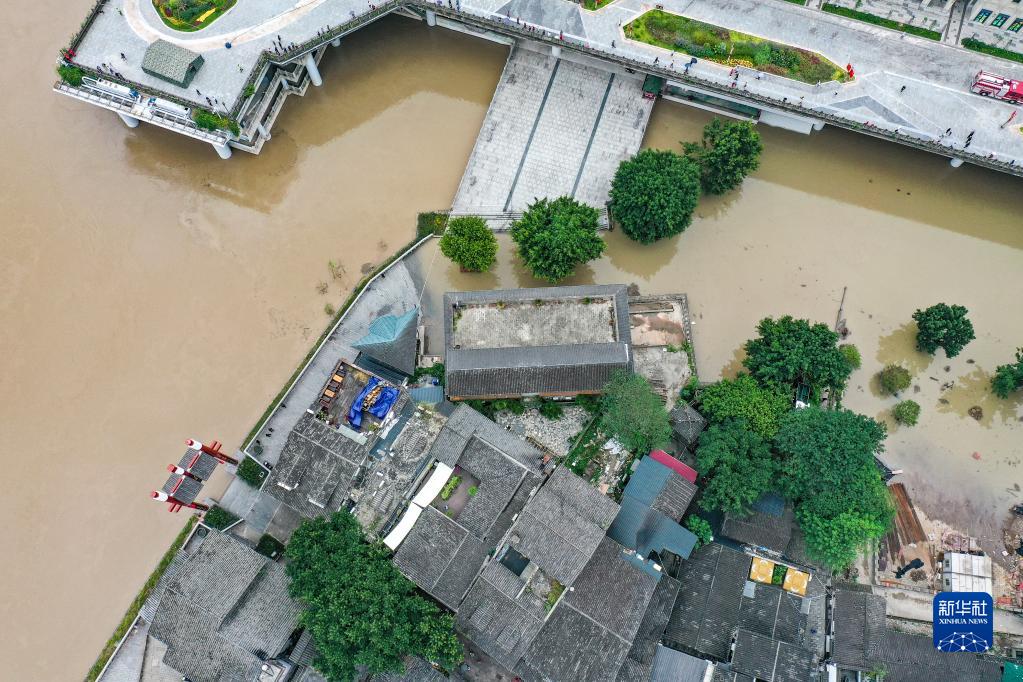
(717,44)
(191,15)
(881,21)
(993,50)
(596,4)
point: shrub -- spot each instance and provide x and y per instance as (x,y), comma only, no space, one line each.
(250,471)
(71,75)
(894,378)
(472,491)
(701,529)
(450,487)
(219,518)
(993,50)
(431,222)
(778,574)
(1008,378)
(553,237)
(516,407)
(435,371)
(851,354)
(470,243)
(907,412)
(654,193)
(269,546)
(590,403)
(328,309)
(207,120)
(249,91)
(943,326)
(551,410)
(728,153)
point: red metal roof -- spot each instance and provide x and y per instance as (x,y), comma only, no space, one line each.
(686,472)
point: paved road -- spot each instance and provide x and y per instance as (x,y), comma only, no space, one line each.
(918,606)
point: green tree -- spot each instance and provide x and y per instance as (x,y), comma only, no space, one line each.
(737,464)
(790,351)
(1008,378)
(829,474)
(701,529)
(743,398)
(907,412)
(554,237)
(470,243)
(894,378)
(852,355)
(634,414)
(360,610)
(729,152)
(943,326)
(654,193)
(71,75)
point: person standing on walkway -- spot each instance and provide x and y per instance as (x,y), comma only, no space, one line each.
(902,89)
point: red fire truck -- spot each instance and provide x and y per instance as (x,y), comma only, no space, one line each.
(992,85)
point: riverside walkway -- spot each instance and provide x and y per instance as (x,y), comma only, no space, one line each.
(258,33)
(554,127)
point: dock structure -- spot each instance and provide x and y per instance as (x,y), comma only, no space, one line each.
(555,127)
(907,90)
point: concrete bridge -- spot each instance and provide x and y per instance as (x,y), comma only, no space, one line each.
(282,49)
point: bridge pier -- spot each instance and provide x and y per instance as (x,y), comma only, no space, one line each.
(312,69)
(431,18)
(263,131)
(129,121)
(223,150)
(336,42)
(556,51)
(955,163)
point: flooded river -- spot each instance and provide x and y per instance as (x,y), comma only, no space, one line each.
(902,230)
(151,292)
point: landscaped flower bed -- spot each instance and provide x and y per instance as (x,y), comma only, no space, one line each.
(717,44)
(191,15)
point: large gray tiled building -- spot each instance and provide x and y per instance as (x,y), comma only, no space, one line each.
(556,341)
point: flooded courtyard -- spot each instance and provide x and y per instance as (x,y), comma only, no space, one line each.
(151,292)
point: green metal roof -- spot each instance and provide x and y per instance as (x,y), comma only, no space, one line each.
(171,63)
(1013,672)
(391,340)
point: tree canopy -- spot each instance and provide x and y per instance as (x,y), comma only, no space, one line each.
(634,414)
(730,151)
(654,193)
(470,243)
(789,351)
(737,464)
(743,398)
(360,610)
(943,326)
(554,237)
(907,412)
(829,474)
(1008,378)
(894,378)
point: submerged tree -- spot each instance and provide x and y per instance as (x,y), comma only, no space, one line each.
(728,153)
(634,414)
(554,237)
(470,243)
(943,326)
(360,610)
(907,412)
(790,351)
(654,193)
(894,378)
(1008,378)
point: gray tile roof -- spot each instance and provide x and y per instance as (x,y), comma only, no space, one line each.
(562,525)
(573,647)
(171,63)
(674,666)
(760,529)
(687,424)
(651,628)
(911,658)
(770,660)
(541,369)
(317,467)
(224,610)
(500,624)
(416,670)
(859,621)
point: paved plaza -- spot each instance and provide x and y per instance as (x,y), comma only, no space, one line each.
(555,127)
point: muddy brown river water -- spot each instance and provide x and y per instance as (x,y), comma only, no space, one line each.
(150,292)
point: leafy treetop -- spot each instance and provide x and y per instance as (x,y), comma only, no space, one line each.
(555,236)
(729,152)
(1008,378)
(789,351)
(894,378)
(654,193)
(360,610)
(470,243)
(738,465)
(943,326)
(634,414)
(743,398)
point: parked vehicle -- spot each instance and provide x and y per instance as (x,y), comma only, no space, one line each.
(992,85)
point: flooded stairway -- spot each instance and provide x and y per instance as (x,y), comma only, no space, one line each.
(554,127)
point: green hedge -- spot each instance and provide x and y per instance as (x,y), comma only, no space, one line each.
(978,46)
(219,518)
(207,120)
(71,75)
(136,604)
(250,471)
(881,21)
(269,546)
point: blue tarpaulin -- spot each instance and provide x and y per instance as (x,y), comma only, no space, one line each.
(379,409)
